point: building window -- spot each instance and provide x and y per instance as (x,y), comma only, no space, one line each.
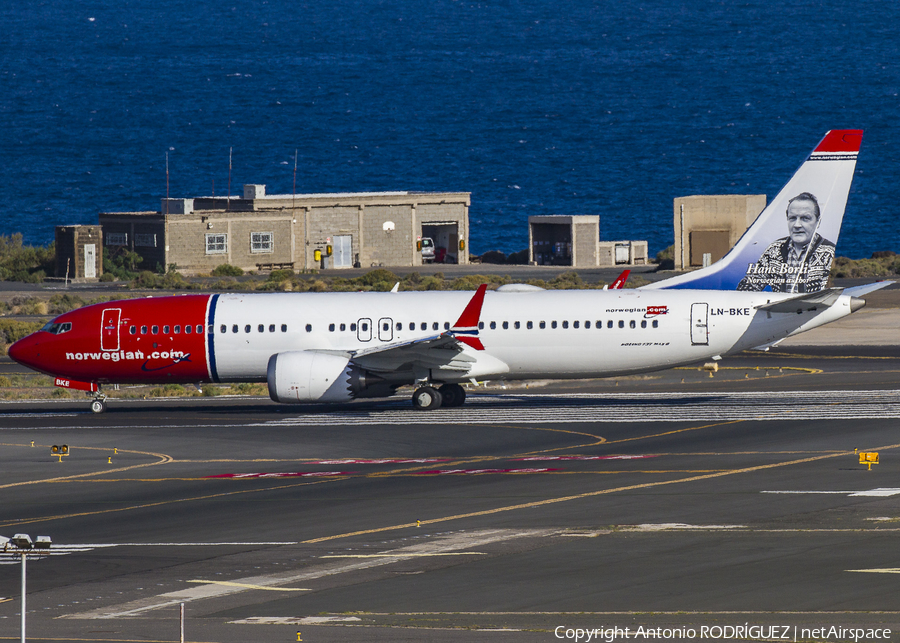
(116,238)
(216,244)
(262,242)
(145,240)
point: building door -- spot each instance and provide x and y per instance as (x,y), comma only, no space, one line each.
(90,261)
(385,329)
(700,324)
(343,251)
(109,329)
(364,330)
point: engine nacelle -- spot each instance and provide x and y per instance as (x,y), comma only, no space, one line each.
(296,377)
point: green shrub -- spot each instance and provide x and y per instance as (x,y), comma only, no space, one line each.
(227,270)
(121,263)
(19,262)
(279,275)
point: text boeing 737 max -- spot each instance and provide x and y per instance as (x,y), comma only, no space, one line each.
(332,347)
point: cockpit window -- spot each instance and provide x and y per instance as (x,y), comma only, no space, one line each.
(57,328)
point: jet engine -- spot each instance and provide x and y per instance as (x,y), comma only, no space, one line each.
(296,377)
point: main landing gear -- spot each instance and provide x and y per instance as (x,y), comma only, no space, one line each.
(427,398)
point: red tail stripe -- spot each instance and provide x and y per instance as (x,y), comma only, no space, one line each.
(841,140)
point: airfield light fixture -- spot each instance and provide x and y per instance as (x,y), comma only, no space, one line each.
(23,545)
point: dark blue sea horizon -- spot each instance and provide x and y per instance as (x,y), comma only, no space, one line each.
(535,108)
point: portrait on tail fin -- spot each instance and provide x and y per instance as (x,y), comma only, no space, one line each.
(799,262)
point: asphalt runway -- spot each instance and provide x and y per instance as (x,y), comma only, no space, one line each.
(685,499)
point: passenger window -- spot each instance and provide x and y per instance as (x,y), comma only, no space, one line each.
(132,330)
(165,330)
(587,324)
(655,323)
(575,324)
(505,325)
(271,328)
(308,328)
(352,328)
(609,324)
(154,330)
(284,328)
(621,324)
(247,328)
(385,327)
(480,325)
(643,323)
(632,324)
(343,327)
(399,326)
(188,329)
(200,329)
(261,328)
(565,324)
(434,326)
(178,329)
(543,325)
(493,325)
(529,325)
(234,328)
(423,326)
(599,324)
(222,328)
(553,324)
(331,328)
(412,325)
(517,325)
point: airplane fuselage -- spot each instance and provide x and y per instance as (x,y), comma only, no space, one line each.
(537,334)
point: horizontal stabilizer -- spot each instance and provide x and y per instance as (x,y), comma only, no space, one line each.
(859,291)
(824,298)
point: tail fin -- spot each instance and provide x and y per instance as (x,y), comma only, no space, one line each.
(790,246)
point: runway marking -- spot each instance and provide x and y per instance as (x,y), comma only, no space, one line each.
(454,553)
(890,570)
(588,494)
(445,472)
(64,550)
(613,407)
(163,459)
(881,492)
(30,521)
(295,474)
(248,586)
(566,458)
(443,544)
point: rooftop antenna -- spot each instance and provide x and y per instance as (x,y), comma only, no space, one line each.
(228,200)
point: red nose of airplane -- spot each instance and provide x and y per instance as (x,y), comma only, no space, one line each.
(25,351)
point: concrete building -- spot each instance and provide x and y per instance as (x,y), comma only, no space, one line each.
(711,225)
(79,252)
(574,240)
(260,231)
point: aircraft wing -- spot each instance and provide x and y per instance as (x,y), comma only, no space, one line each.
(458,350)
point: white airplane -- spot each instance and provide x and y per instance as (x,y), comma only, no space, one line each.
(334,347)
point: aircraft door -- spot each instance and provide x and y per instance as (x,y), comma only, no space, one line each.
(385,329)
(109,329)
(700,324)
(364,330)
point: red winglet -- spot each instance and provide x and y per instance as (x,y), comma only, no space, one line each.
(840,140)
(619,283)
(472,314)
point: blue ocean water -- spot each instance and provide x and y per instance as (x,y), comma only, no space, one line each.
(567,107)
